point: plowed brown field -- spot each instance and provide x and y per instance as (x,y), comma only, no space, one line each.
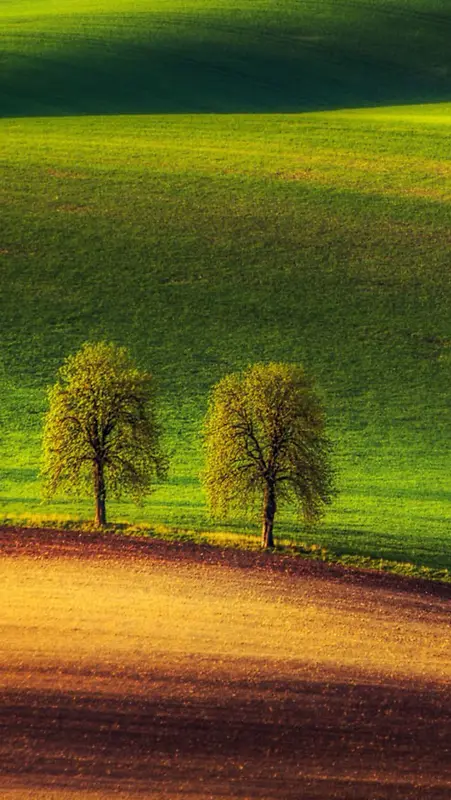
(134,669)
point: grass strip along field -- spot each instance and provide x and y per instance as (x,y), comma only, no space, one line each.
(205,242)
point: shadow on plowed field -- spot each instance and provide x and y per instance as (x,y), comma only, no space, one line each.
(140,668)
(265,738)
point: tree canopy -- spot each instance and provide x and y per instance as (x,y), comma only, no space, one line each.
(266,444)
(101,432)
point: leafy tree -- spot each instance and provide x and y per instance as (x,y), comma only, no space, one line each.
(265,443)
(101,432)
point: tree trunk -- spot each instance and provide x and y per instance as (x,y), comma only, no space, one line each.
(269,511)
(100,494)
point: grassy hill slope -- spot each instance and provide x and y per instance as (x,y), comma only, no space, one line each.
(168,56)
(207,242)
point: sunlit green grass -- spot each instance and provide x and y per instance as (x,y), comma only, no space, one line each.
(205,243)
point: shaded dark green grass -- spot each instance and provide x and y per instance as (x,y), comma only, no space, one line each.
(207,243)
(118,57)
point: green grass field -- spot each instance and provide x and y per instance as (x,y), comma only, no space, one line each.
(207,241)
(128,56)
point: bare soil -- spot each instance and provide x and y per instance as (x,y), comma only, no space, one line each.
(134,668)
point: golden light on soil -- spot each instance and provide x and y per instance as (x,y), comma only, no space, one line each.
(129,614)
(179,676)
